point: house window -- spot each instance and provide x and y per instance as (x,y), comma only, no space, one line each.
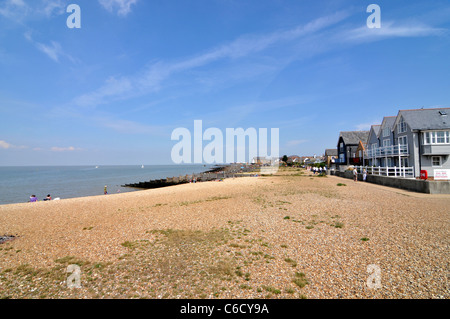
(386,143)
(401,127)
(436,137)
(386,131)
(403,140)
(436,160)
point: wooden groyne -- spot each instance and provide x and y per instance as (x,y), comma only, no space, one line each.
(217,173)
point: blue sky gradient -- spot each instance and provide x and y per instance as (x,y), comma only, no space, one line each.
(113,91)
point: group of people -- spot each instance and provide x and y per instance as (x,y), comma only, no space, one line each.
(355,174)
(319,170)
(34,199)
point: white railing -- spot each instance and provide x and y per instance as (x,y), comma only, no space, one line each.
(384,151)
(405,172)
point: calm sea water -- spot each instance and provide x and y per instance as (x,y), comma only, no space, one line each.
(17,184)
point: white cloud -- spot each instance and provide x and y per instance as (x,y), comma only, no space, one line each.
(64,149)
(151,78)
(4,145)
(14,9)
(123,6)
(365,126)
(53,50)
(390,30)
(19,10)
(48,7)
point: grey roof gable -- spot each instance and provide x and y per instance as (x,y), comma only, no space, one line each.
(331,152)
(425,119)
(376,129)
(388,121)
(353,137)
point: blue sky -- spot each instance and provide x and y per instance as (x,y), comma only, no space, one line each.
(113,91)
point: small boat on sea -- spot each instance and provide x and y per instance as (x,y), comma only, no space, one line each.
(142,166)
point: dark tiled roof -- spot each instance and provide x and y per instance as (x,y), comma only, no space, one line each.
(353,137)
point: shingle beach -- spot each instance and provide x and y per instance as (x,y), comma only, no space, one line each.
(292,235)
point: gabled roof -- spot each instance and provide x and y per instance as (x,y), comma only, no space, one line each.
(353,137)
(331,152)
(387,121)
(425,119)
(374,130)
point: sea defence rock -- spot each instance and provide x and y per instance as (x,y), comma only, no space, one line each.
(216,173)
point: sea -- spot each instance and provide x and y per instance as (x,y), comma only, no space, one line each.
(17,184)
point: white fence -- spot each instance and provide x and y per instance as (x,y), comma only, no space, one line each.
(405,172)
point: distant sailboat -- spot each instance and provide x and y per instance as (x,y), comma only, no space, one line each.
(142,166)
(96,166)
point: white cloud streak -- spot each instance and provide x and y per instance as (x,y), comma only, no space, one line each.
(53,50)
(390,30)
(64,149)
(123,7)
(5,145)
(152,77)
(19,10)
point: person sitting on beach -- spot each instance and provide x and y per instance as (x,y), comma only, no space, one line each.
(49,197)
(33,199)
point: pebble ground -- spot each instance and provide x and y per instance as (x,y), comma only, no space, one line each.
(293,235)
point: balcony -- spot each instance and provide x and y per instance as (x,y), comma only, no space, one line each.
(388,151)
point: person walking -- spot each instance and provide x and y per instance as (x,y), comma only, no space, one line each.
(364,175)
(106,190)
(355,175)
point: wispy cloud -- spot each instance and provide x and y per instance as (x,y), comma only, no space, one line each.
(391,30)
(64,149)
(19,10)
(365,126)
(53,50)
(14,9)
(151,78)
(5,145)
(123,7)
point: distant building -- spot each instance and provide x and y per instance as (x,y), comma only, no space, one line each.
(330,157)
